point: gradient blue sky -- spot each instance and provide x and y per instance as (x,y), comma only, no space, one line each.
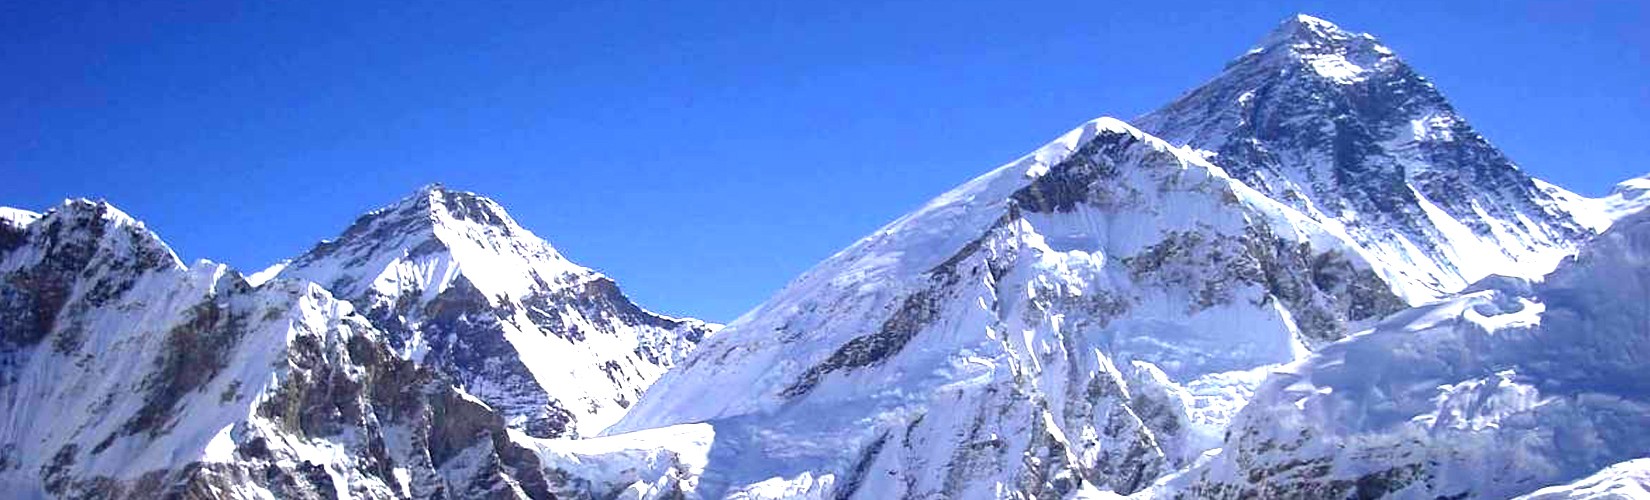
(702,153)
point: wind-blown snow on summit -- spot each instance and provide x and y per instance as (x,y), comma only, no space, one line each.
(459,285)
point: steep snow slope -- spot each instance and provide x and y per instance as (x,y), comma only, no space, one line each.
(1337,126)
(124,374)
(1510,387)
(458,285)
(1089,314)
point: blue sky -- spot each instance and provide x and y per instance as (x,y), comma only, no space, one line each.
(702,153)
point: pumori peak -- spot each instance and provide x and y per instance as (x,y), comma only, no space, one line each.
(458,284)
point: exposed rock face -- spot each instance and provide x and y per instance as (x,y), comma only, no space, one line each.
(1337,126)
(128,375)
(460,287)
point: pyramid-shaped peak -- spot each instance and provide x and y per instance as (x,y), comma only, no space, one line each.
(1310,23)
(1340,55)
(1302,29)
(437,203)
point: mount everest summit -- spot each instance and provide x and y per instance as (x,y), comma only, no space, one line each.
(1307,278)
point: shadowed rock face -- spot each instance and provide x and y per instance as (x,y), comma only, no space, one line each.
(118,359)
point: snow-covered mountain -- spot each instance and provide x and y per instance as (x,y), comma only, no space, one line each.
(125,374)
(1507,388)
(1337,126)
(1091,316)
(459,285)
(1165,311)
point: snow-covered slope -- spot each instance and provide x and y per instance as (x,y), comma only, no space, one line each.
(1337,126)
(1508,388)
(125,374)
(1628,197)
(1628,480)
(1089,314)
(458,285)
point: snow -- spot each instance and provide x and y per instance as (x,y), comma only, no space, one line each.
(1627,198)
(977,347)
(1334,54)
(268,273)
(1015,328)
(17,217)
(1495,391)
(501,259)
(53,401)
(1037,326)
(405,256)
(1628,480)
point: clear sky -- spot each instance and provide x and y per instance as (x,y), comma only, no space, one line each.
(702,153)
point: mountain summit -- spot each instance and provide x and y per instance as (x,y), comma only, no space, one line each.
(1337,126)
(458,284)
(1333,53)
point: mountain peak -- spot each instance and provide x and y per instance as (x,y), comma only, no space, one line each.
(1336,125)
(82,218)
(1334,53)
(423,239)
(555,347)
(1302,27)
(436,203)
